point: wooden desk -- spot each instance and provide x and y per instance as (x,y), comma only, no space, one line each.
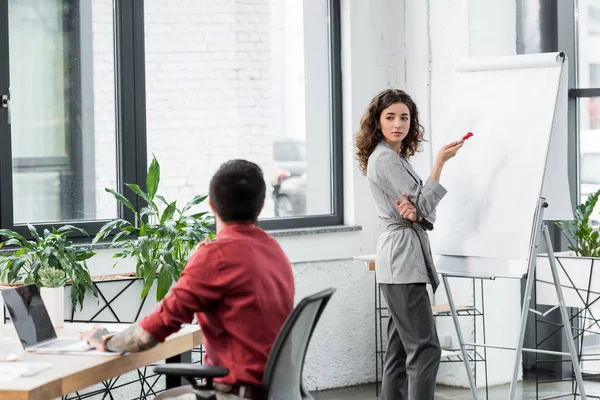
(75,372)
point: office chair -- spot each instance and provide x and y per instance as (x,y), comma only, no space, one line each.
(282,379)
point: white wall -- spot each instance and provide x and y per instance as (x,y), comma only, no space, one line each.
(387,43)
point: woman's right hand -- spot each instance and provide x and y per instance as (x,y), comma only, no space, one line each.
(449,150)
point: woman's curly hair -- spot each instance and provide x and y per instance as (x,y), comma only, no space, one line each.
(369,134)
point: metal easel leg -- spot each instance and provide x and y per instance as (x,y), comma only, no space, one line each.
(460,338)
(538,223)
(485,357)
(524,314)
(563,313)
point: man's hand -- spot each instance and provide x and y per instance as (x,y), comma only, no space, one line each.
(94,336)
(406,208)
(131,340)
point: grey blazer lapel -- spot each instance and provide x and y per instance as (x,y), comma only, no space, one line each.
(411,171)
(407,166)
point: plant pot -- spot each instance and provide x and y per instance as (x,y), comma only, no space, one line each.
(579,279)
(54,300)
(118,301)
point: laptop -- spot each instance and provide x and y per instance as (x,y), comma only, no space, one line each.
(32,322)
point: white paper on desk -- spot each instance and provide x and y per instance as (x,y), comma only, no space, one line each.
(12,370)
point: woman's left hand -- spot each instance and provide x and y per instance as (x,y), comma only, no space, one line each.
(406,208)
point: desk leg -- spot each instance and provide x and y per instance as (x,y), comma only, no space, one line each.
(185,358)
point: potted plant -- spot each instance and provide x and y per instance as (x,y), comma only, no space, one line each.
(53,249)
(52,290)
(584,239)
(576,266)
(162,238)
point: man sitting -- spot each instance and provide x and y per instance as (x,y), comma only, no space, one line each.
(240,288)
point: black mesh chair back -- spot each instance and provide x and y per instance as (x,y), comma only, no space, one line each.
(283,373)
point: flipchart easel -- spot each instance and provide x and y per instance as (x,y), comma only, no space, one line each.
(489,262)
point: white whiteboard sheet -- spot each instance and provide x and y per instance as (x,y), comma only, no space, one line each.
(495,182)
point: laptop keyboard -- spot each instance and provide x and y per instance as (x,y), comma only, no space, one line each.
(71,344)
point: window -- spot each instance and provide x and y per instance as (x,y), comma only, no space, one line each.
(588,44)
(243,79)
(588,99)
(289,150)
(62,119)
(590,168)
(96,88)
(594,14)
(595,75)
(589,147)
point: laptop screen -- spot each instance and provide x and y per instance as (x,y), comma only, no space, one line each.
(28,314)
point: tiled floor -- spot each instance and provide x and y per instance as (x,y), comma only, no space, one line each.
(526,390)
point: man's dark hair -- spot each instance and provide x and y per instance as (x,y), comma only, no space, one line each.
(237,191)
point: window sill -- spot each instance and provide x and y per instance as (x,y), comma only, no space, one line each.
(277,233)
(314,231)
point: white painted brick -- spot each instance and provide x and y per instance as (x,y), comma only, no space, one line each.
(244,27)
(220,18)
(263,28)
(245,8)
(160,28)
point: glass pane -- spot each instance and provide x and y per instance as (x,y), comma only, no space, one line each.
(589,145)
(588,43)
(236,80)
(63,118)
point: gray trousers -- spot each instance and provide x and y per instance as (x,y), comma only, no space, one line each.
(413,350)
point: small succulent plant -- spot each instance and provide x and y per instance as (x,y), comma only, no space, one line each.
(52,277)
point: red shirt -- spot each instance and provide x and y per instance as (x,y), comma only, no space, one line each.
(241,290)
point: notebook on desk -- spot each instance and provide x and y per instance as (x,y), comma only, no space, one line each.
(32,322)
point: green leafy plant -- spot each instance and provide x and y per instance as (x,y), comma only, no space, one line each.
(583,239)
(160,242)
(53,250)
(52,277)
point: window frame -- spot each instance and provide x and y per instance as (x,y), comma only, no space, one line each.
(6,203)
(130,118)
(569,40)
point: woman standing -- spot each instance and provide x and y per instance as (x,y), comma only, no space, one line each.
(390,133)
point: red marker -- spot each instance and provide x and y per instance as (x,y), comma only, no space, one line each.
(468,135)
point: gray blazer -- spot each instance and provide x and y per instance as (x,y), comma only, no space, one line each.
(403,254)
